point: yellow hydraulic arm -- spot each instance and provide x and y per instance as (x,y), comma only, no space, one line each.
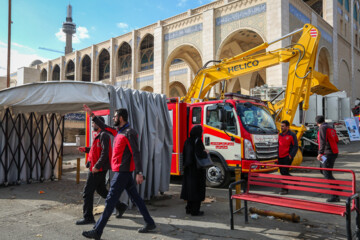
(302,80)
(301,68)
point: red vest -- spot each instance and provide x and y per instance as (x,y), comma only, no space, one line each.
(95,152)
(120,143)
(285,142)
(331,138)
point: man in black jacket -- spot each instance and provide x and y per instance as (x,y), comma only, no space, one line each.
(99,164)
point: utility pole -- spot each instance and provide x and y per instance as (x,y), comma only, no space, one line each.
(9,46)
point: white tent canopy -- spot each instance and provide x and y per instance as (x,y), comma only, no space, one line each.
(32,128)
(54,97)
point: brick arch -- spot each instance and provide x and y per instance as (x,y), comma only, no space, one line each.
(147,89)
(187,53)
(146,52)
(344,83)
(85,68)
(43,75)
(103,65)
(239,41)
(323,63)
(55,74)
(70,70)
(123,59)
(177,89)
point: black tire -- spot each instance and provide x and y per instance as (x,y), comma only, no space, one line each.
(217,176)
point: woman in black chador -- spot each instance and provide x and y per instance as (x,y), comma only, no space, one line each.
(194,179)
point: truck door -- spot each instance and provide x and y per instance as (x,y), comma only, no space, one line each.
(222,138)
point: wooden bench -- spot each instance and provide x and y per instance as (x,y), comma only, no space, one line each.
(275,181)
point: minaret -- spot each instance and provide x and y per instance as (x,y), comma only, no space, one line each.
(69,28)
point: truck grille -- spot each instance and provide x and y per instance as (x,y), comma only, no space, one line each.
(266,151)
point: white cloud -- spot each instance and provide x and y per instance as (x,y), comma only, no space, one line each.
(81,33)
(18,45)
(181,3)
(18,60)
(122,25)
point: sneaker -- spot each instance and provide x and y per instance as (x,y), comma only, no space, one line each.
(85,221)
(93,234)
(147,228)
(121,208)
(284,191)
(333,199)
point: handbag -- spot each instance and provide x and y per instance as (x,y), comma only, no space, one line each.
(203,162)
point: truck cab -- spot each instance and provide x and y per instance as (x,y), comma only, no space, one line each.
(236,132)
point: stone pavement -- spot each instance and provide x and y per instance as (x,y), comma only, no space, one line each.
(49,210)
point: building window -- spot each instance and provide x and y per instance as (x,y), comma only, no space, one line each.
(356,40)
(355,13)
(345,28)
(347,5)
(341,26)
(147,53)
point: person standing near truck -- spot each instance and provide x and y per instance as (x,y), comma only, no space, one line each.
(328,150)
(288,147)
(98,163)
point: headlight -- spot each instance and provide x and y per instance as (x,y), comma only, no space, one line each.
(248,149)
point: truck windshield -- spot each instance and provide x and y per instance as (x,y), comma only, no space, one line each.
(256,119)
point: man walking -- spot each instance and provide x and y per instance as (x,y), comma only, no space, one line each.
(125,159)
(288,147)
(99,163)
(328,150)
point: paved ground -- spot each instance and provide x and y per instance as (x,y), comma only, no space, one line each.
(27,214)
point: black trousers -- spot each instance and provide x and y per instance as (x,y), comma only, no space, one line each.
(285,161)
(95,182)
(329,163)
(193,207)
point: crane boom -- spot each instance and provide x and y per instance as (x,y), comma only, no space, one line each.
(302,79)
(301,56)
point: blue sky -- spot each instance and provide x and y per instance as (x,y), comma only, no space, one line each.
(37,23)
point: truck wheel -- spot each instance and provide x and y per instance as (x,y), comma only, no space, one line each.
(217,176)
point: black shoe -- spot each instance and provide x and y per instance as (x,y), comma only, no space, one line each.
(91,234)
(147,228)
(284,191)
(333,199)
(199,213)
(121,208)
(85,221)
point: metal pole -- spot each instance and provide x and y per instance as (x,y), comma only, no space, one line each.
(238,187)
(59,168)
(77,170)
(9,46)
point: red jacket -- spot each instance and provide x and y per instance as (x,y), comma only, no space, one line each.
(100,152)
(327,139)
(288,144)
(126,153)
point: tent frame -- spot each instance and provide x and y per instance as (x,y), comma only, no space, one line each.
(27,155)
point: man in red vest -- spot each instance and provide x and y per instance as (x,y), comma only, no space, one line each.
(328,150)
(125,160)
(99,163)
(288,147)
